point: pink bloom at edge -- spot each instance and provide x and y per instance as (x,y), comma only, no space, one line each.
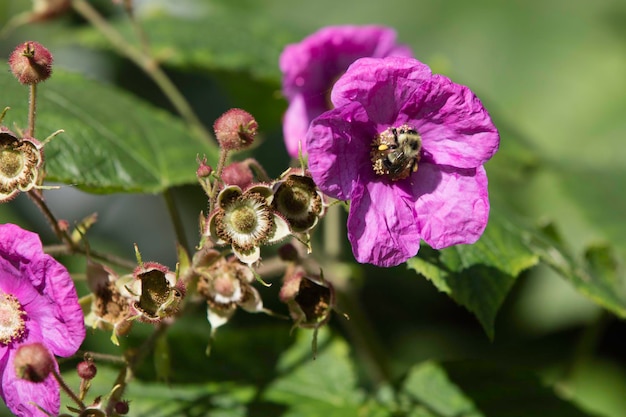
(311,66)
(445,202)
(38,304)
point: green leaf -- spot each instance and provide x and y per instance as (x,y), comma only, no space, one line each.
(324,386)
(113,142)
(159,400)
(429,385)
(597,277)
(226,37)
(479,276)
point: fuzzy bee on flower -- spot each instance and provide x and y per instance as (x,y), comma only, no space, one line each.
(396,152)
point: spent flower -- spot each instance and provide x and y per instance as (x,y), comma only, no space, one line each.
(246,221)
(311,66)
(20,163)
(38,304)
(407,148)
(227,284)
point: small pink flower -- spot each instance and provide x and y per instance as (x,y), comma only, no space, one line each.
(38,304)
(407,148)
(312,66)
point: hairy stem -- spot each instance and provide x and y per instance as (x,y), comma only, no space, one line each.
(68,390)
(32,109)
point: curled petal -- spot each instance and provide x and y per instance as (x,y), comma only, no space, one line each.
(381,225)
(452,205)
(454,126)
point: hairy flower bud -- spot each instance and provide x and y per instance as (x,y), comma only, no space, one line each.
(239,174)
(31,63)
(86,369)
(33,362)
(122,407)
(235,129)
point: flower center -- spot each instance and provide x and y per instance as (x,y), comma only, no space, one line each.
(12,317)
(11,163)
(244,219)
(246,222)
(299,202)
(395,152)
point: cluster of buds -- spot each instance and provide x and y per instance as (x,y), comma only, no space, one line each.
(248,214)
(248,211)
(152,293)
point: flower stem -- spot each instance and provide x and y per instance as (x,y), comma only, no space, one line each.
(147,64)
(32,108)
(67,390)
(179,228)
(218,173)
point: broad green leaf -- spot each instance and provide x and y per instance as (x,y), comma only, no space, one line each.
(315,387)
(597,277)
(113,142)
(479,276)
(429,385)
(218,37)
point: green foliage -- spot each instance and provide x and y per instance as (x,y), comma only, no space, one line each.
(113,142)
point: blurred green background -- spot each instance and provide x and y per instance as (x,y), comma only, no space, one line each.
(553,76)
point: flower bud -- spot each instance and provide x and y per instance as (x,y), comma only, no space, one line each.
(204,170)
(86,369)
(235,129)
(31,63)
(122,407)
(239,174)
(33,362)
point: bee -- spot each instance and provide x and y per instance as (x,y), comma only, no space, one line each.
(396,152)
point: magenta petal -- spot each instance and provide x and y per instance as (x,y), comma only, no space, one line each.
(452,205)
(61,320)
(380,85)
(296,122)
(20,396)
(339,143)
(455,127)
(381,225)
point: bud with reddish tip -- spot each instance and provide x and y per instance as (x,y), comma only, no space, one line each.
(33,362)
(31,63)
(235,129)
(122,407)
(86,369)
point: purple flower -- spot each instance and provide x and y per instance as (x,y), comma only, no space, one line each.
(312,66)
(407,148)
(38,303)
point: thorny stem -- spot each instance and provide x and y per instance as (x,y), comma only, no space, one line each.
(69,245)
(68,390)
(147,64)
(32,107)
(36,196)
